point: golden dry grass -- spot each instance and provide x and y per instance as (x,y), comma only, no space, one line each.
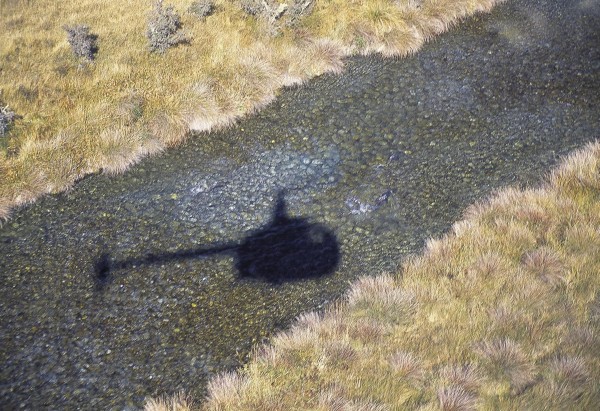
(80,118)
(178,402)
(501,313)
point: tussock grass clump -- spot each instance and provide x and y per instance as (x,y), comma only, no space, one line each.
(492,324)
(178,402)
(406,365)
(232,65)
(455,398)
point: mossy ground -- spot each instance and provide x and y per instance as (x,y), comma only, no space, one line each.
(501,313)
(80,117)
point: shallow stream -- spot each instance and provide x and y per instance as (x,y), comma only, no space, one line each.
(138,285)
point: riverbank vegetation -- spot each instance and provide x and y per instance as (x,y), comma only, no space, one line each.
(99,85)
(503,312)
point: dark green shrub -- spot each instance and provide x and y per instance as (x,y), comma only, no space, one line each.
(164,28)
(202,8)
(82,42)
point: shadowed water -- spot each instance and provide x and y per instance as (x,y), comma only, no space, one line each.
(380,158)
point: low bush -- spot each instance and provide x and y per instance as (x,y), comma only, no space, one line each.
(164,28)
(255,7)
(82,42)
(297,10)
(270,11)
(202,8)
(7,118)
(276,14)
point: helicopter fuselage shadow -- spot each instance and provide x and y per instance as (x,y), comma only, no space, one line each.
(288,248)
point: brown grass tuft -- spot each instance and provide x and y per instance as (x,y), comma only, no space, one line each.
(581,338)
(456,399)
(323,56)
(406,365)
(582,237)
(569,370)
(402,41)
(366,288)
(130,109)
(546,265)
(467,377)
(202,111)
(567,380)
(594,309)
(332,399)
(5,207)
(168,130)
(503,317)
(266,354)
(339,354)
(579,172)
(23,183)
(507,359)
(297,338)
(335,398)
(333,327)
(533,213)
(373,297)
(328,401)
(309,320)
(61,172)
(119,148)
(487,266)
(178,402)
(366,331)
(519,237)
(226,390)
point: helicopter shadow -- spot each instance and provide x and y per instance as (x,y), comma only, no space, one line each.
(286,249)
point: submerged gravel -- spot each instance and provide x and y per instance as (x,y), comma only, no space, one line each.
(494,102)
